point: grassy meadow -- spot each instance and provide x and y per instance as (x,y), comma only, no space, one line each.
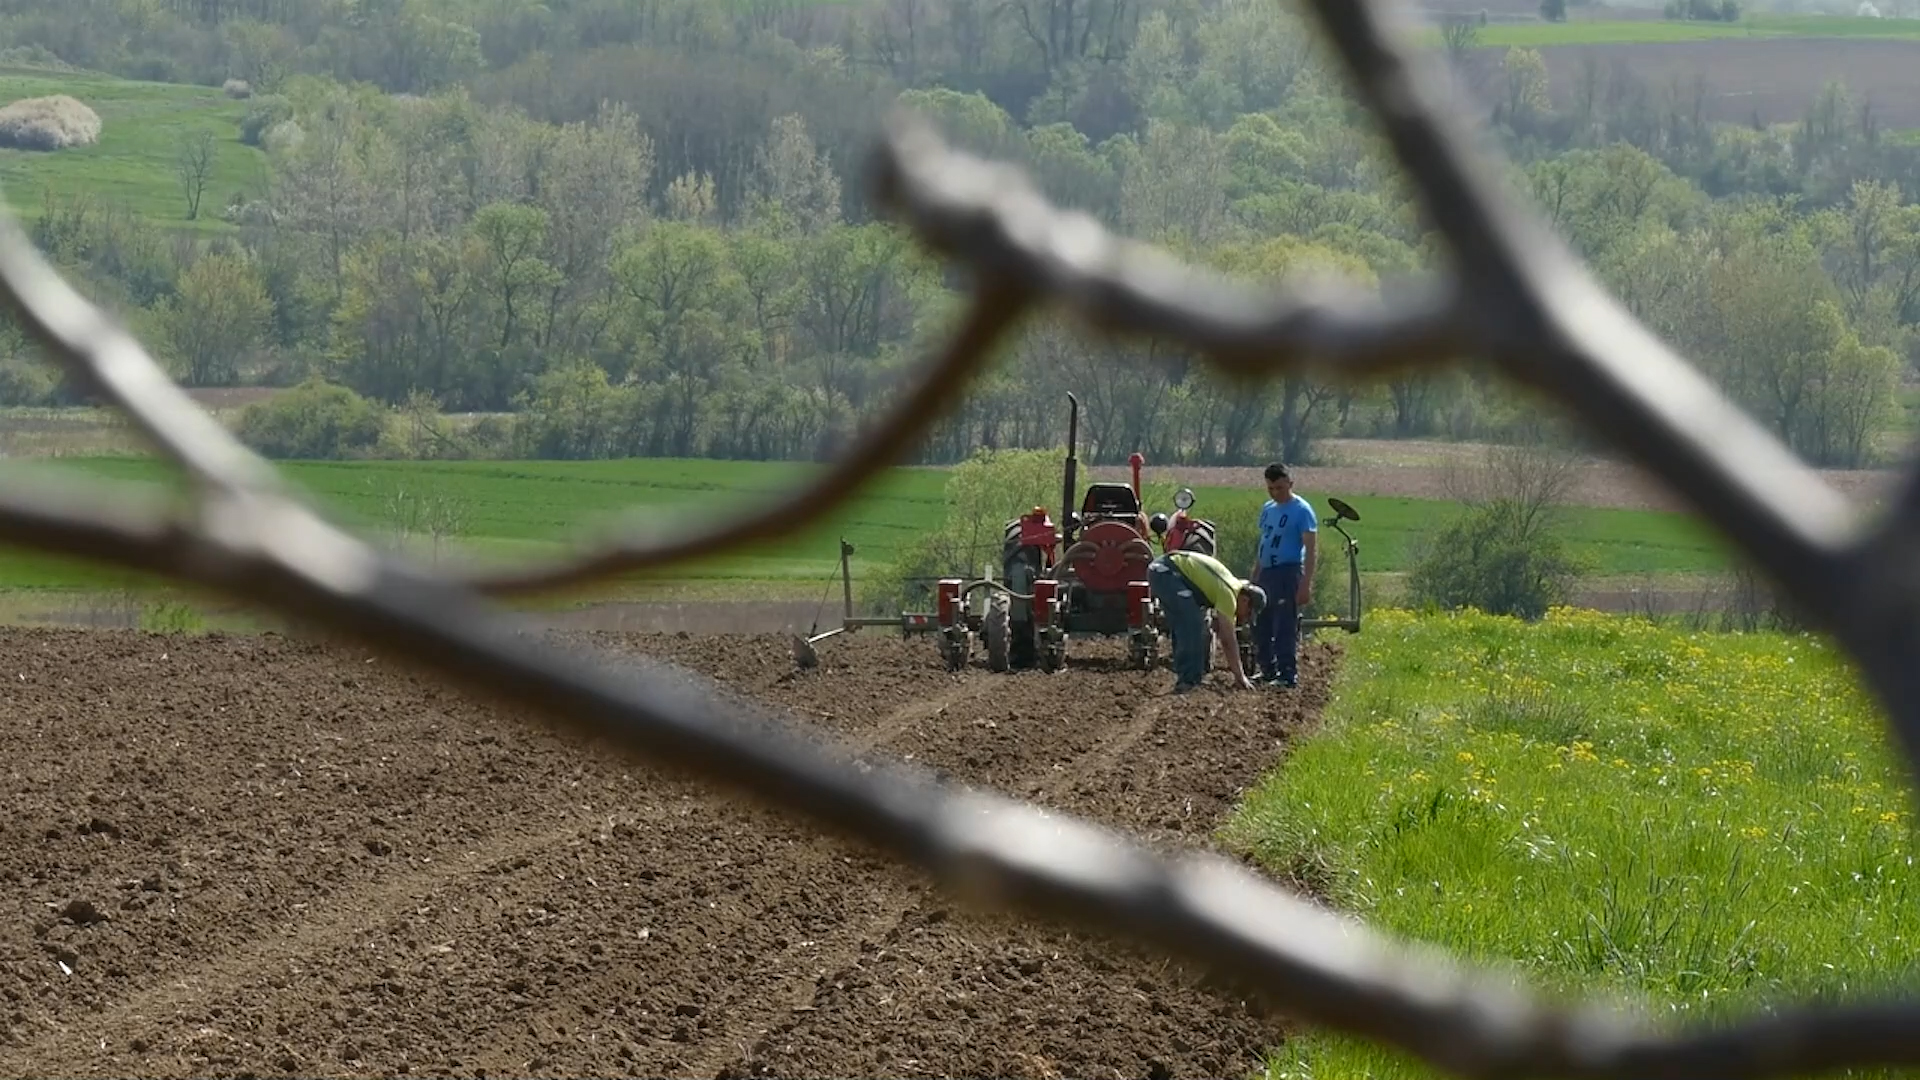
(142,126)
(496,510)
(1698,824)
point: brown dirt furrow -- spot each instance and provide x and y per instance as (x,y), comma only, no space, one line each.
(1060,1003)
(232,856)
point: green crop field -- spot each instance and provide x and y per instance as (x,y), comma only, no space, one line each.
(1659,31)
(515,509)
(1700,824)
(504,510)
(142,126)
(1607,541)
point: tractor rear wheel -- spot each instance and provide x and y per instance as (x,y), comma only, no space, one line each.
(998,632)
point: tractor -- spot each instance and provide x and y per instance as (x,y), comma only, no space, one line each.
(1086,577)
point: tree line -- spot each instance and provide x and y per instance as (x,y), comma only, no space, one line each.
(639,228)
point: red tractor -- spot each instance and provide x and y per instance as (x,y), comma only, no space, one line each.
(1085,577)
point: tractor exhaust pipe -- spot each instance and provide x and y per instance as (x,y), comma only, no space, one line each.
(1073,463)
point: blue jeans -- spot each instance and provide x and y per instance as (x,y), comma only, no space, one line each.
(1186,620)
(1276,634)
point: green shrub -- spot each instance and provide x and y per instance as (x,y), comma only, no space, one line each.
(316,420)
(1496,557)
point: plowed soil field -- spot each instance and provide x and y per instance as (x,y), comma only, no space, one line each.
(231,856)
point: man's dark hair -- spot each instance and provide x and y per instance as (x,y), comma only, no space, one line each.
(1277,471)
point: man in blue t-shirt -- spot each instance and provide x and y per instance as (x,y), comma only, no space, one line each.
(1283,566)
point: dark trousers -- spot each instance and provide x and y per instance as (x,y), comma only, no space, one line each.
(1186,620)
(1276,633)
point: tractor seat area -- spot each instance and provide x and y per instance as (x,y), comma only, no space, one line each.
(1105,499)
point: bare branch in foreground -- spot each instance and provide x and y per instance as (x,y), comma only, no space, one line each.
(1519,299)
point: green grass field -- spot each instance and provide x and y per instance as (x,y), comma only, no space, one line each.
(1699,824)
(143,125)
(523,508)
(1661,31)
(1608,541)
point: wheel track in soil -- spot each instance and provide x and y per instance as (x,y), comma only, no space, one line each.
(692,969)
(342,917)
(735,1054)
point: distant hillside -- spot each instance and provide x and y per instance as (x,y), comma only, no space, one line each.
(1770,78)
(1765,66)
(144,125)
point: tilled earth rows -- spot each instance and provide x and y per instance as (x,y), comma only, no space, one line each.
(260,855)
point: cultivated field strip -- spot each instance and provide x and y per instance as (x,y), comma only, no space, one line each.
(301,860)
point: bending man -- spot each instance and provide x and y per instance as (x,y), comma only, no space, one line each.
(1194,589)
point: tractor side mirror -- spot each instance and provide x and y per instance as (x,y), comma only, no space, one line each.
(1183,498)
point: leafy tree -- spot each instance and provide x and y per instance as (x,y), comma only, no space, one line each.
(684,302)
(509,239)
(216,322)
